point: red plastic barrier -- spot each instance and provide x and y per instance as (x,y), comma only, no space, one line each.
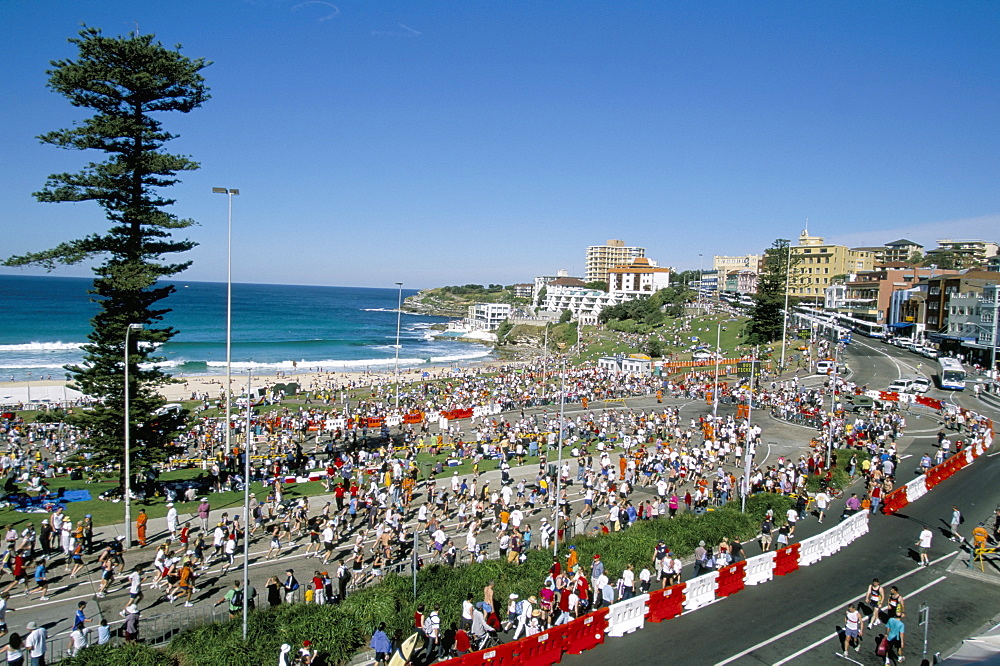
(375,423)
(731,579)
(543,649)
(928,402)
(890,396)
(894,501)
(786,560)
(415,417)
(502,655)
(586,632)
(666,603)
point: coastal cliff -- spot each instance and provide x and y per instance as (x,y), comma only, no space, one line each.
(455,301)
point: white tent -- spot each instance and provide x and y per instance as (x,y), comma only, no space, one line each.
(37,394)
(982,649)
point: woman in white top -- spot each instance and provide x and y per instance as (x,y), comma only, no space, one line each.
(14,650)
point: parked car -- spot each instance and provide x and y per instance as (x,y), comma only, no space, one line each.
(917,385)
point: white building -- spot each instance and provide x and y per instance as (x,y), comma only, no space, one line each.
(578,300)
(641,277)
(636,364)
(489,316)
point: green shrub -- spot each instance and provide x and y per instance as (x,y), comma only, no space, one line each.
(340,631)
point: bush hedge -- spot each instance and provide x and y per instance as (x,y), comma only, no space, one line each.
(340,631)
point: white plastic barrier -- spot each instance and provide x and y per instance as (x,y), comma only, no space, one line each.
(393,421)
(760,568)
(835,540)
(700,591)
(625,617)
(813,549)
(855,526)
(917,488)
(432,416)
(969,457)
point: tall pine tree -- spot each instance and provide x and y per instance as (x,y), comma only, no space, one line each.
(127,82)
(767,313)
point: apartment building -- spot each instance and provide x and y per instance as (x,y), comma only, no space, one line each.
(967,253)
(602,258)
(815,264)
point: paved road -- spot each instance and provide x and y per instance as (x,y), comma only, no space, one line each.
(794,619)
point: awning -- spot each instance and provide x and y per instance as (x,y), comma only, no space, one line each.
(902,324)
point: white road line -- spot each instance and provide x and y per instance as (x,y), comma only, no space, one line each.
(836,635)
(788,632)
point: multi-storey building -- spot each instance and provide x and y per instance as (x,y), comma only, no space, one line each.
(742,281)
(967,253)
(899,251)
(642,277)
(951,305)
(602,258)
(868,296)
(815,264)
(523,290)
(730,264)
(489,316)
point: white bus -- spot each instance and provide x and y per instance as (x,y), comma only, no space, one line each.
(951,374)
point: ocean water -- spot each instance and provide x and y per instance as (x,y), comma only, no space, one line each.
(294,328)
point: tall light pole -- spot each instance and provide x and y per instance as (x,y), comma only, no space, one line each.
(715,389)
(399,317)
(784,325)
(229,192)
(246,511)
(562,406)
(128,444)
(748,453)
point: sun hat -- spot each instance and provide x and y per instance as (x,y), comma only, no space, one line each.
(513,596)
(32,625)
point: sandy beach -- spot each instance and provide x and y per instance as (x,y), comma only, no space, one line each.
(54,390)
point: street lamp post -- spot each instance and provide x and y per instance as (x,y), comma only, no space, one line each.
(128,444)
(784,324)
(230,193)
(715,388)
(562,407)
(748,453)
(246,511)
(399,317)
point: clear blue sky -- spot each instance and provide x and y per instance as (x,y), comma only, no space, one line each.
(453,142)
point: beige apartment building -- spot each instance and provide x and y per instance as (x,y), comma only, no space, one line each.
(602,258)
(816,263)
(726,264)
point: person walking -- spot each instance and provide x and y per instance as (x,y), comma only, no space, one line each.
(853,629)
(924,545)
(140,527)
(956,520)
(381,644)
(874,596)
(896,640)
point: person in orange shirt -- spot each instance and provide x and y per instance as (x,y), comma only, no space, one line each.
(571,559)
(979,536)
(140,526)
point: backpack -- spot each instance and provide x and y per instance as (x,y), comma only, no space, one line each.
(237,600)
(518,607)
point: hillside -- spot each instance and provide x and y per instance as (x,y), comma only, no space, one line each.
(455,301)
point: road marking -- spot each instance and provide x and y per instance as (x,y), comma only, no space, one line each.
(837,635)
(824,614)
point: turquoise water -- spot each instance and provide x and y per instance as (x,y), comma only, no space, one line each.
(281,327)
